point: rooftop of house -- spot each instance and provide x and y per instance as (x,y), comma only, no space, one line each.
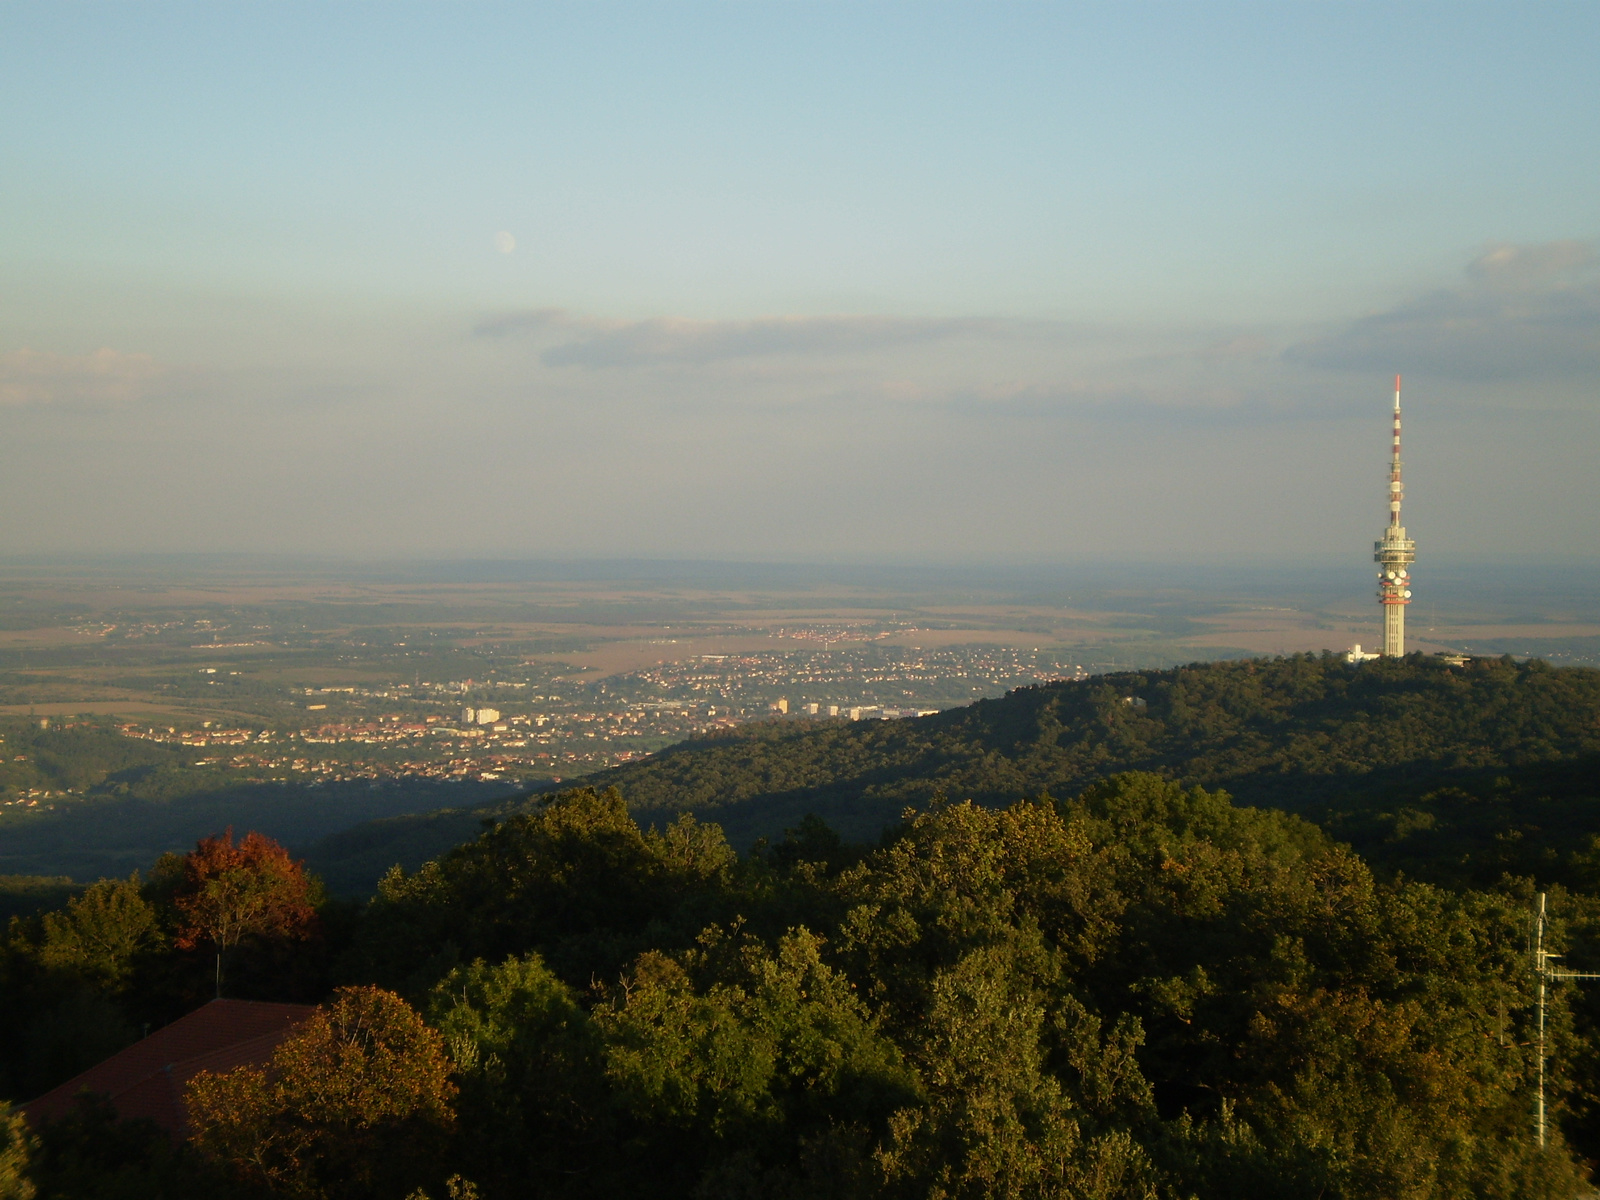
(147,1079)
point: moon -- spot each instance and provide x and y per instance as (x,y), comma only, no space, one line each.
(504,242)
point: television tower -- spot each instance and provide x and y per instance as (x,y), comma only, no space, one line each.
(1394,554)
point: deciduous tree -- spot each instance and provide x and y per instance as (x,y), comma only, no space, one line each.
(100,933)
(353,1105)
(232,891)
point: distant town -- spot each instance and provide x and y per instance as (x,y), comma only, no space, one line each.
(266,703)
(526,736)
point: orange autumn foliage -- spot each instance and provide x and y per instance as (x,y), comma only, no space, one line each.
(354,1101)
(231,891)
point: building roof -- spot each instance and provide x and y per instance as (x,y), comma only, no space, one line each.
(147,1079)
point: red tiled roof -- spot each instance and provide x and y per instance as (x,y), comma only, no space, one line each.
(147,1079)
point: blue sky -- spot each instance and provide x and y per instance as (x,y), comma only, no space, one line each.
(865,281)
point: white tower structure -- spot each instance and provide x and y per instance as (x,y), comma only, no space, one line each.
(1394,554)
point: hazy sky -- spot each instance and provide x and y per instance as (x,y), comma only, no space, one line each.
(897,282)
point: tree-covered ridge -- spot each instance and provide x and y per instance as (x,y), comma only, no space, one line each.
(1306,733)
(84,755)
(1283,732)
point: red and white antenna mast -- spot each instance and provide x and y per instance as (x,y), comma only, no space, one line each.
(1396,489)
(1394,554)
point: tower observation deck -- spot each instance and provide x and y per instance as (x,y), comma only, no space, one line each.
(1394,554)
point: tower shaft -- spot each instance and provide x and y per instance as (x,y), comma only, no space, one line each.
(1395,553)
(1394,628)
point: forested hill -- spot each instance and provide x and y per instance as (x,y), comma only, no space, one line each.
(1291,733)
(1285,732)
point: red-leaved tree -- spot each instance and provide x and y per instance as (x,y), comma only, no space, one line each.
(233,891)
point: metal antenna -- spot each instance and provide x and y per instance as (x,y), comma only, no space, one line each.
(1545,973)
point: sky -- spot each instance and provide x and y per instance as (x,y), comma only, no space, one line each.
(858,282)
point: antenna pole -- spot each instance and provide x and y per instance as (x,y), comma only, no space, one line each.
(1539,971)
(1544,974)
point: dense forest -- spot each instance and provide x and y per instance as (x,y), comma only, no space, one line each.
(1143,991)
(1131,986)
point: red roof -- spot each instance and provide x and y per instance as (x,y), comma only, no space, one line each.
(147,1079)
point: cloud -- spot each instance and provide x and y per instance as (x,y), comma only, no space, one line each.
(598,344)
(1237,349)
(530,321)
(971,367)
(106,376)
(1523,312)
(1515,268)
(1244,346)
